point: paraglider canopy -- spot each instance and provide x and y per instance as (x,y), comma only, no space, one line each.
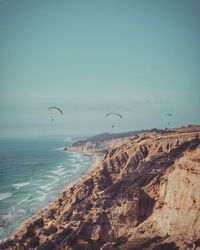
(169,114)
(117,114)
(54,107)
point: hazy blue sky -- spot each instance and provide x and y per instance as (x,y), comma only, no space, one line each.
(139,58)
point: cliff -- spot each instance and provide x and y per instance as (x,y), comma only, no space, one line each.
(143,195)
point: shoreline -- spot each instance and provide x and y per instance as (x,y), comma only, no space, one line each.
(95,160)
(93,164)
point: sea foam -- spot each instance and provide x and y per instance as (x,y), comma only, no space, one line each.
(4,195)
(20,185)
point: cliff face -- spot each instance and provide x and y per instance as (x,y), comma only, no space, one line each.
(143,195)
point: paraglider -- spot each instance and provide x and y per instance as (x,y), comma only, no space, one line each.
(114,114)
(169,115)
(57,109)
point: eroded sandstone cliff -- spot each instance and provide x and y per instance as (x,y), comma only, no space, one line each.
(143,195)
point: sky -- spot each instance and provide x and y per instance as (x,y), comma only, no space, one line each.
(139,58)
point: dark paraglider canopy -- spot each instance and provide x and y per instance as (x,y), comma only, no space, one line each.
(117,114)
(54,107)
(168,114)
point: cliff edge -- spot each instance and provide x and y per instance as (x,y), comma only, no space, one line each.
(143,195)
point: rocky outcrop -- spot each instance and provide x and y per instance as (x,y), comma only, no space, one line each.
(143,195)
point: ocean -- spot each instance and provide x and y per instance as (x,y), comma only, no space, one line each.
(32,172)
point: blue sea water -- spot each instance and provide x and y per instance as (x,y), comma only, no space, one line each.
(32,172)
